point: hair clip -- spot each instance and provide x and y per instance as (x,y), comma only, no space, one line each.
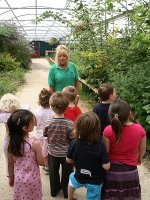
(18,121)
(116,115)
(43,95)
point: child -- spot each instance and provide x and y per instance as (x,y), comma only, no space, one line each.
(24,156)
(107,94)
(59,133)
(42,114)
(126,144)
(8,104)
(89,156)
(72,111)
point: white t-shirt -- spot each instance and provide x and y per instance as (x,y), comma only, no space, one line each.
(42,115)
(4,116)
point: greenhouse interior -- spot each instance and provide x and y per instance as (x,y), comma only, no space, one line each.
(109,40)
(105,41)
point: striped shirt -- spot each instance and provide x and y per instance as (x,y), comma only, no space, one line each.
(59,134)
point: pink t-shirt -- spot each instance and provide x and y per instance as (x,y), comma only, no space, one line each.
(126,150)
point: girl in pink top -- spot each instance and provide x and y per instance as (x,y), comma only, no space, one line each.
(126,144)
(24,157)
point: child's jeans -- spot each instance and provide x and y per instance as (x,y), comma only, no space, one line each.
(93,191)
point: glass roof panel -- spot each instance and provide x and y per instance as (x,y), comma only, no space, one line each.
(24,12)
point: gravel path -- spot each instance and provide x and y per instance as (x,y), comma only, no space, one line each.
(36,79)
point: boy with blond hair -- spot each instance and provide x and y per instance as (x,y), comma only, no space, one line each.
(72,111)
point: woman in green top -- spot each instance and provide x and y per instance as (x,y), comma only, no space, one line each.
(63,73)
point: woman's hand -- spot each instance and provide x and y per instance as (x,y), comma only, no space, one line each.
(52,60)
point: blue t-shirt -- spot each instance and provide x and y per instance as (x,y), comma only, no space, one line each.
(101,110)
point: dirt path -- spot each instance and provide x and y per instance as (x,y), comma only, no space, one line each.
(36,79)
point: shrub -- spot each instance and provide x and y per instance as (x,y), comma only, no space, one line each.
(10,81)
(91,66)
(8,63)
(14,43)
(20,50)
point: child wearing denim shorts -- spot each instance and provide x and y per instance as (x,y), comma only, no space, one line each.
(89,156)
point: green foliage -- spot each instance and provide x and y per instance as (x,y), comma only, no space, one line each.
(91,66)
(146,97)
(87,25)
(20,50)
(12,42)
(148,144)
(54,41)
(10,81)
(131,85)
(58,16)
(14,54)
(8,63)
(140,18)
(128,69)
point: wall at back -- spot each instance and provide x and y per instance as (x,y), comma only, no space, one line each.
(40,47)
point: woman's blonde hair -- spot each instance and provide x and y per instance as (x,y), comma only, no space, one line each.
(9,103)
(61,49)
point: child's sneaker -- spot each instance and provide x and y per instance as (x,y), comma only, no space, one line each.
(46,173)
(46,170)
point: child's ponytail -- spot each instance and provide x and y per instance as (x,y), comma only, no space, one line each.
(119,112)
(116,126)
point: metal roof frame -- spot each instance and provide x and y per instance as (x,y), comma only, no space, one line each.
(23,15)
(44,30)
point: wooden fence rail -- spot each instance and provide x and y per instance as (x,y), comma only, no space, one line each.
(82,81)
